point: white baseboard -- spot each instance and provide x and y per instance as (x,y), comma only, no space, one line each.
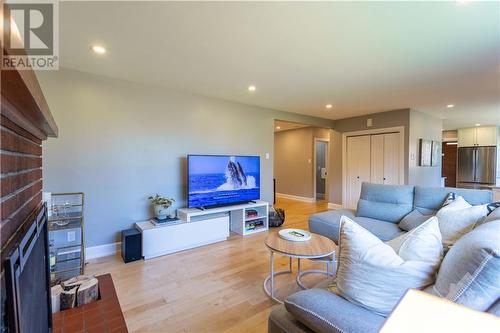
(295,197)
(105,250)
(334,206)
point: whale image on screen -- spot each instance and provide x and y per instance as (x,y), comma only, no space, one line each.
(222,180)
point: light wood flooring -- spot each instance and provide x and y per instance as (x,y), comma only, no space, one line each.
(214,288)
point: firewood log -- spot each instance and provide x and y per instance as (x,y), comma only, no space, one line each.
(88,292)
(68,298)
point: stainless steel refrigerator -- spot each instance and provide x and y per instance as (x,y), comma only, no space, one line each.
(476,166)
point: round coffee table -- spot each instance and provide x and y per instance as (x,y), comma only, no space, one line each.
(318,248)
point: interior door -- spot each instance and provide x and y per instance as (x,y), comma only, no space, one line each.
(449,163)
(358,167)
(391,159)
(377,159)
(320,172)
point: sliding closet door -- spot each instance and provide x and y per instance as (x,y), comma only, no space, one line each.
(358,167)
(391,158)
(377,159)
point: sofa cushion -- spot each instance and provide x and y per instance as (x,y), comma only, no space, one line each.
(413,220)
(373,275)
(457,218)
(428,200)
(470,271)
(383,230)
(385,202)
(328,225)
(324,311)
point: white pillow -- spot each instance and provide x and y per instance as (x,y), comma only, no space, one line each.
(458,218)
(374,275)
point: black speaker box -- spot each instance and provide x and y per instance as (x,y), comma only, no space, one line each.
(131,245)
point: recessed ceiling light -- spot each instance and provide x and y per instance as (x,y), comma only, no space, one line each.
(98,49)
(449,106)
(329,106)
(278,127)
(478,125)
(252,88)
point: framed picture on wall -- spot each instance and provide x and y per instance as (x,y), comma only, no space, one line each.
(425,152)
(436,153)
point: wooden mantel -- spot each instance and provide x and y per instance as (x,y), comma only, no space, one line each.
(24,104)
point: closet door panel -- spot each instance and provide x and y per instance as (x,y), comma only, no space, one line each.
(377,159)
(391,158)
(358,167)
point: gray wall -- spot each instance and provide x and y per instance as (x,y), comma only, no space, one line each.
(120,142)
(423,126)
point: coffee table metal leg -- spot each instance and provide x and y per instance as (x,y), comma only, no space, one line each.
(328,272)
(272,274)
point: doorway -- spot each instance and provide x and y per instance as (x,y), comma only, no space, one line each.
(320,168)
(300,161)
(449,163)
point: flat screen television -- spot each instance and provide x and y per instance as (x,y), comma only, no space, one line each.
(219,180)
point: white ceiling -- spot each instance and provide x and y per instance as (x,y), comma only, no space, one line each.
(362,57)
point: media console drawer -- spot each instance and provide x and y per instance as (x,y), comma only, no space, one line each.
(161,240)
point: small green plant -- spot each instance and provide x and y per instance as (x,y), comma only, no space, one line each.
(159,200)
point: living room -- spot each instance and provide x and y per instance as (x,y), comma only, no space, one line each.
(322,120)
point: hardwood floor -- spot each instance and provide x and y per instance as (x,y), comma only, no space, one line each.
(215,288)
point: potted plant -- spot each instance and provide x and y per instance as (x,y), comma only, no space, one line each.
(161,205)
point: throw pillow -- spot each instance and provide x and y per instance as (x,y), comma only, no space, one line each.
(470,272)
(373,275)
(413,220)
(449,199)
(493,213)
(457,218)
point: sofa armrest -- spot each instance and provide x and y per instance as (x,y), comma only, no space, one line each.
(328,223)
(323,311)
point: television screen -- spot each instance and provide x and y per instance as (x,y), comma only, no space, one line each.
(215,180)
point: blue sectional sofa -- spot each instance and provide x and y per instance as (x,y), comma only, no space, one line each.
(380,209)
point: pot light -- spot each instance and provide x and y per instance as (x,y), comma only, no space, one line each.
(449,106)
(278,127)
(329,106)
(477,125)
(98,49)
(252,88)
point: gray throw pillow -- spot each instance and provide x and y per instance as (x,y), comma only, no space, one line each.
(470,272)
(413,220)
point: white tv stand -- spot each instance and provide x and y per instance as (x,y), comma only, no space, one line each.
(201,227)
(240,222)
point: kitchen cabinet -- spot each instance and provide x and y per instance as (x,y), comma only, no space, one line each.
(477,136)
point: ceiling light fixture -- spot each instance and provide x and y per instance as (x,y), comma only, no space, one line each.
(251,88)
(329,106)
(477,125)
(98,49)
(449,106)
(278,127)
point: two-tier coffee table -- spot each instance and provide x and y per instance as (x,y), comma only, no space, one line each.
(318,248)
